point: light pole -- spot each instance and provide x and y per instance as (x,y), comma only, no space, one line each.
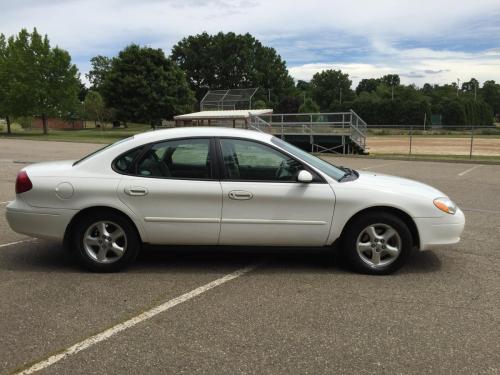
(340,94)
(458,85)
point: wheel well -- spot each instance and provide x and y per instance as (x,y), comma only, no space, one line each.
(100,209)
(396,212)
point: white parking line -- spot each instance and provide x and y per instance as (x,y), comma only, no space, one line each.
(470,170)
(380,165)
(15,243)
(104,335)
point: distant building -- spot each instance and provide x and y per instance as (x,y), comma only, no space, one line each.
(58,123)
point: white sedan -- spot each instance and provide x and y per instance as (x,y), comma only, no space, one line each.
(218,186)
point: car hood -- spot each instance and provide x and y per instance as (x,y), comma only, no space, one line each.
(397,185)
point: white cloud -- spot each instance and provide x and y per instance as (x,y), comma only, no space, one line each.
(419,66)
(364,37)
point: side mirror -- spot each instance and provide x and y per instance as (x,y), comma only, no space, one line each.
(304,176)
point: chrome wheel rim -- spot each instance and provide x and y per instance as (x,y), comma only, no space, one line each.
(379,245)
(105,242)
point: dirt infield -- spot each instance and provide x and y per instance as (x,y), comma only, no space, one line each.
(435,146)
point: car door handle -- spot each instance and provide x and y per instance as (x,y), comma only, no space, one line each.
(240,195)
(136,191)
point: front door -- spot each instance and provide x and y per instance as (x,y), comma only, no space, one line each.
(174,193)
(264,204)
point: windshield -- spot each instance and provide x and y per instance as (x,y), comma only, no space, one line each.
(327,168)
(102,149)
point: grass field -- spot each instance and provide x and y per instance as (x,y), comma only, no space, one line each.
(91,135)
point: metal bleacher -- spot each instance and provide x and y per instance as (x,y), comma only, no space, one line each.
(341,132)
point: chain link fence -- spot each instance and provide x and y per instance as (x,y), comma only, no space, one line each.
(461,140)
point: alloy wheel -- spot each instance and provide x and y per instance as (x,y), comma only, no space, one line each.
(105,242)
(379,245)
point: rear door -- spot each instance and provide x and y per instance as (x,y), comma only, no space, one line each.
(264,204)
(172,188)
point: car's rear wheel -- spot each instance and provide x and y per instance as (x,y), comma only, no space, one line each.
(106,242)
(377,243)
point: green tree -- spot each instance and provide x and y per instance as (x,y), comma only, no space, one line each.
(367,85)
(3,79)
(470,86)
(491,95)
(289,104)
(391,80)
(94,107)
(260,104)
(145,86)
(100,67)
(453,112)
(303,86)
(309,106)
(329,86)
(229,60)
(40,80)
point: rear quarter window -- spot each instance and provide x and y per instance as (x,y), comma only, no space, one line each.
(126,162)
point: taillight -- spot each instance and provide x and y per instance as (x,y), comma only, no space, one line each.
(23,182)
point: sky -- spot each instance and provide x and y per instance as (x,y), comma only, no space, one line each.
(437,41)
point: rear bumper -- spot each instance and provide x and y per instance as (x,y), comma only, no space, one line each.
(38,222)
(436,232)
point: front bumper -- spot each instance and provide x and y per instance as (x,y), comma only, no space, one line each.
(445,230)
(38,222)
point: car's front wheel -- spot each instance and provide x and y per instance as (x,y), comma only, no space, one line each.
(105,242)
(377,243)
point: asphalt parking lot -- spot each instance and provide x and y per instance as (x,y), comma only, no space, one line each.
(293,311)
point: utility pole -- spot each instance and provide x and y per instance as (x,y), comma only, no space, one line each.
(458,85)
(475,91)
(340,95)
(392,87)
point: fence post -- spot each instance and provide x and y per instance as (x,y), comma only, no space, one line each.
(471,141)
(411,137)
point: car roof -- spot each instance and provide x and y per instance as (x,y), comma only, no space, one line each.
(200,131)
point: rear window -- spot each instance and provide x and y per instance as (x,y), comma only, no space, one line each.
(92,154)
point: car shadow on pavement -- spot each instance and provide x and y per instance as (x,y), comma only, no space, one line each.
(47,256)
(286,259)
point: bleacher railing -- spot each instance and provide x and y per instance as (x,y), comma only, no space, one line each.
(337,123)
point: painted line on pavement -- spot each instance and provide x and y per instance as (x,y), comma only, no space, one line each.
(6,202)
(106,334)
(470,170)
(17,242)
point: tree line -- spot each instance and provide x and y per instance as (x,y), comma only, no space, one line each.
(143,84)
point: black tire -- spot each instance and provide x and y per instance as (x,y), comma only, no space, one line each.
(358,225)
(130,238)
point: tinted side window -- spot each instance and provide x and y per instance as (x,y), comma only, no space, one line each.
(247,160)
(187,158)
(125,163)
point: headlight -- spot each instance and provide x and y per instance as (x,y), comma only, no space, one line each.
(445,205)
